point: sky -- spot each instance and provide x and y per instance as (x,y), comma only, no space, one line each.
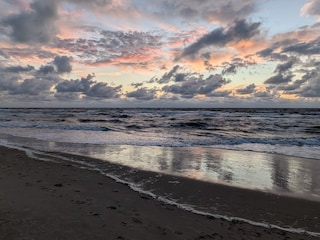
(142,53)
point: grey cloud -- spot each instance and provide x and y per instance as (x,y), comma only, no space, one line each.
(230,69)
(176,74)
(282,68)
(283,75)
(279,79)
(60,65)
(114,45)
(142,94)
(207,10)
(19,69)
(32,86)
(209,66)
(102,90)
(46,69)
(8,82)
(309,48)
(265,52)
(314,8)
(89,87)
(36,26)
(308,86)
(196,85)
(18,80)
(137,85)
(311,89)
(3,54)
(67,96)
(63,64)
(220,37)
(234,65)
(274,52)
(168,76)
(230,11)
(219,94)
(96,4)
(188,12)
(247,90)
(82,85)
(269,53)
(99,3)
(291,88)
(264,94)
(280,50)
(27,52)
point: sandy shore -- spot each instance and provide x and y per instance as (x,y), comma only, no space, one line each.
(45,200)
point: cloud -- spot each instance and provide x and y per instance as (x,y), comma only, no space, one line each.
(19,69)
(283,68)
(102,90)
(17,80)
(92,3)
(142,94)
(47,69)
(27,53)
(220,37)
(311,8)
(233,66)
(35,26)
(172,75)
(309,48)
(265,94)
(137,85)
(29,81)
(291,88)
(311,90)
(194,86)
(8,81)
(60,65)
(230,11)
(3,54)
(79,85)
(32,86)
(118,48)
(283,73)
(177,74)
(247,90)
(304,41)
(279,79)
(89,88)
(308,86)
(269,54)
(63,64)
(204,10)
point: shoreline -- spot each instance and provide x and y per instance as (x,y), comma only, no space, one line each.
(38,198)
(277,173)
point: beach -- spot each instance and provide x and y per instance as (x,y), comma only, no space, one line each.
(48,200)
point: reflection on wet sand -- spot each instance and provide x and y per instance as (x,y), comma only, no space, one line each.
(267,172)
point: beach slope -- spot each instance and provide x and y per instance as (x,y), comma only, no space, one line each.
(46,200)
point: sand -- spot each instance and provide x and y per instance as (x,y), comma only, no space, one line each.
(46,200)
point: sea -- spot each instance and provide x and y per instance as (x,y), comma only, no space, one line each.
(270,150)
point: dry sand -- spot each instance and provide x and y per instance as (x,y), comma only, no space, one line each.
(45,200)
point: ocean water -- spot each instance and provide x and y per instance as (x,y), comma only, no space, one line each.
(273,150)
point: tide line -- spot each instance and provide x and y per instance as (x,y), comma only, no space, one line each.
(49,157)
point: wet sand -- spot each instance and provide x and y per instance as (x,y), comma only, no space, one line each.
(46,200)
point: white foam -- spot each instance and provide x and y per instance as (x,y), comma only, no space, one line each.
(137,188)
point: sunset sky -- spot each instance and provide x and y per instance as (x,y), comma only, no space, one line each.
(163,53)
